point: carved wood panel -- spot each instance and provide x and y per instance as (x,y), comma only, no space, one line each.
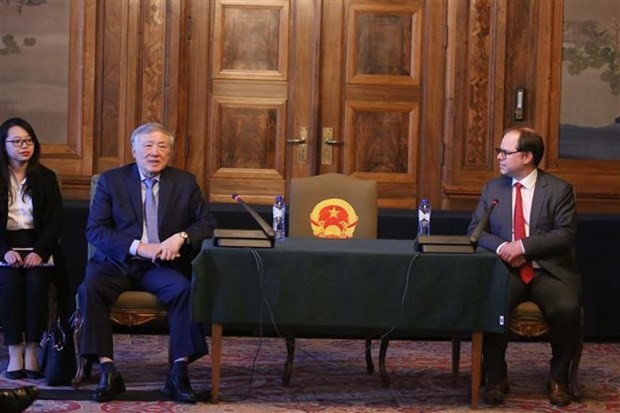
(366,85)
(419,93)
(239,91)
(476,59)
(382,93)
(138,55)
(478,140)
(384,44)
(247,142)
(153,62)
(249,137)
(250,40)
(511,44)
(381,144)
(253,39)
(248,116)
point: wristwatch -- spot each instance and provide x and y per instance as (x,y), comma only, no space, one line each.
(184,235)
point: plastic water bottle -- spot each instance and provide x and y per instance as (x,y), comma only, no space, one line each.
(424,218)
(279,218)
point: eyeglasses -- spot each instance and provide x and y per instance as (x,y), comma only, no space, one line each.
(18,143)
(504,153)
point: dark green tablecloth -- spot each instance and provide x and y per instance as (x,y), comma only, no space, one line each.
(377,284)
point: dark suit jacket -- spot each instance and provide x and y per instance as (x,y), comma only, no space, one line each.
(553,224)
(116,218)
(47,214)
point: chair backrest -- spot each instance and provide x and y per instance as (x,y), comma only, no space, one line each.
(333,206)
(94,180)
(58,177)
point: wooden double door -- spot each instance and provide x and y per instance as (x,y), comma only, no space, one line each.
(279,89)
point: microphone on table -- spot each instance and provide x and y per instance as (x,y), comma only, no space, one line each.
(482,224)
(265,227)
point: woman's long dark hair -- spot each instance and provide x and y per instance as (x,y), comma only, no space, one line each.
(33,163)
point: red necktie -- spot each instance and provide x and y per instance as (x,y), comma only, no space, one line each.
(526,271)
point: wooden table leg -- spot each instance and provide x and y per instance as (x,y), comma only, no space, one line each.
(216,360)
(385,378)
(476,364)
(290,359)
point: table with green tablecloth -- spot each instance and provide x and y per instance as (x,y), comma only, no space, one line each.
(343,285)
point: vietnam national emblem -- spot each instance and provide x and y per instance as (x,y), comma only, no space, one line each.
(333,218)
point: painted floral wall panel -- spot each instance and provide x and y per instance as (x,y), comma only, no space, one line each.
(590,103)
(34,65)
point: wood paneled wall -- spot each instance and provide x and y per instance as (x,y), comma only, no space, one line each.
(153,60)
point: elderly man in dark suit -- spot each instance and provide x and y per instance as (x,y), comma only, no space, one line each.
(145,220)
(533,231)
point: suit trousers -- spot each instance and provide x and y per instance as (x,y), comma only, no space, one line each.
(105,281)
(559,302)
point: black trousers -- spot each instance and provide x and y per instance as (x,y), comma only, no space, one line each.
(559,302)
(23,295)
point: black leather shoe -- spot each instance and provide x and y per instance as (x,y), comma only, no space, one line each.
(558,393)
(15,374)
(33,374)
(17,400)
(110,385)
(179,389)
(496,392)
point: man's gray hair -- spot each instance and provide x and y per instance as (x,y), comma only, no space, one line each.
(151,127)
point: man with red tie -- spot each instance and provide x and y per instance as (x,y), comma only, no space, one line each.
(533,231)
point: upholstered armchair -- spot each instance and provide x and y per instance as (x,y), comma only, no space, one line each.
(526,320)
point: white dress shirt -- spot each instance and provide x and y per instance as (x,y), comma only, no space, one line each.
(21,212)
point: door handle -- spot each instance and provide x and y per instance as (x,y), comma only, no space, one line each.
(327,146)
(333,142)
(303,136)
(302,144)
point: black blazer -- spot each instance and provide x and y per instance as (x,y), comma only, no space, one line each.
(47,210)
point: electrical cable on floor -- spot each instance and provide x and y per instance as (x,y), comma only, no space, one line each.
(260,272)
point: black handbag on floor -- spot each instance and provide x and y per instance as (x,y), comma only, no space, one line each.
(57,355)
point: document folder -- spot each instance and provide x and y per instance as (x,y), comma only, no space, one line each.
(241,238)
(444,243)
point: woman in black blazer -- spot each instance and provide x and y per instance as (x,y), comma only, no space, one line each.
(30,221)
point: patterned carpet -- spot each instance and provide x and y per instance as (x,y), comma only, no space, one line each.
(330,376)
